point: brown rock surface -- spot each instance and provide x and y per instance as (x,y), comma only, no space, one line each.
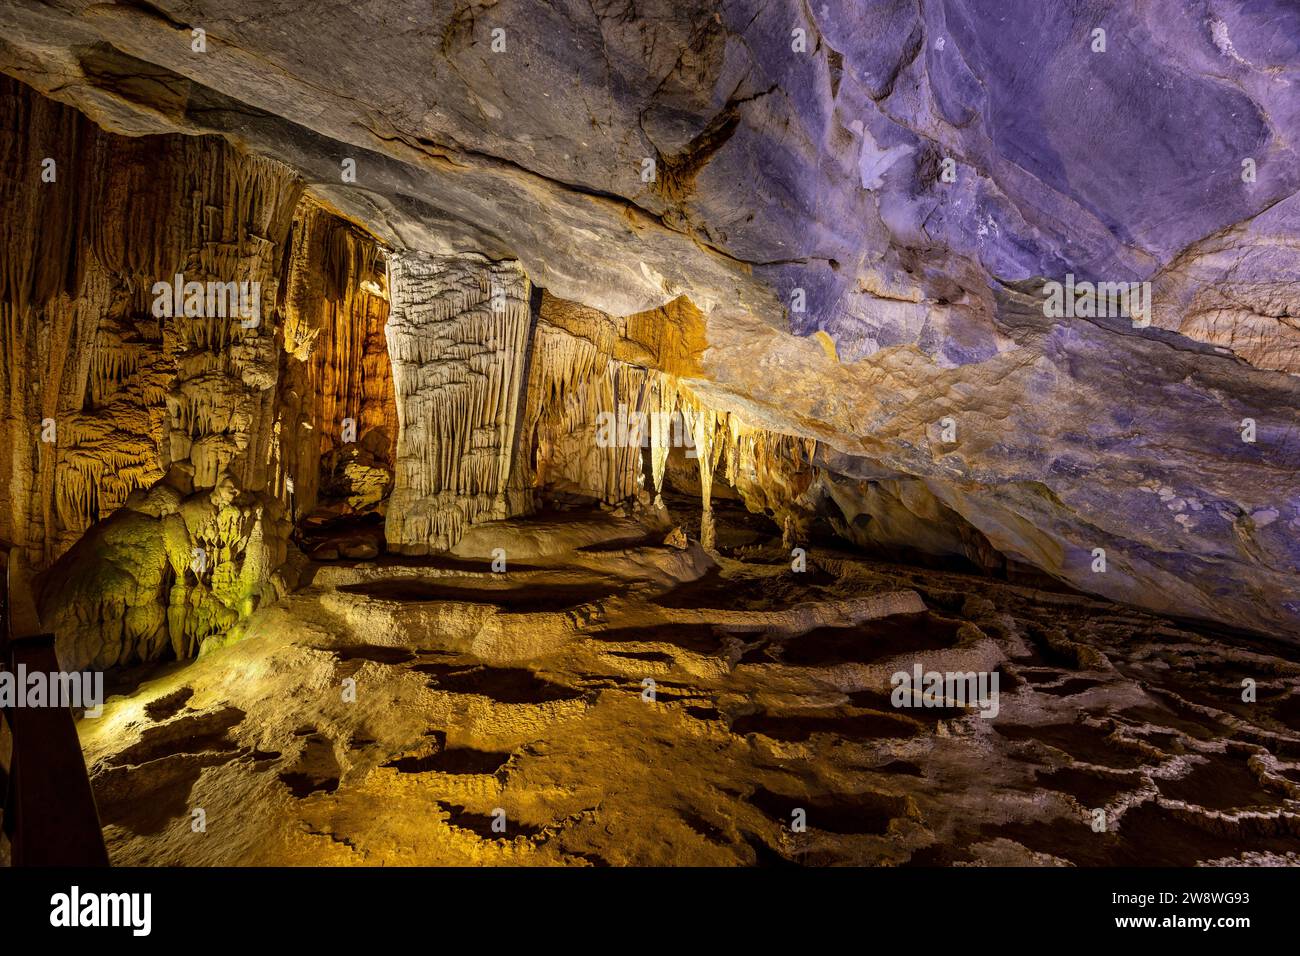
(621,707)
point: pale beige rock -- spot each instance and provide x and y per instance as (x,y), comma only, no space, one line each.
(458,338)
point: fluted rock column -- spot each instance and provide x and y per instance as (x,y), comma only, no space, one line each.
(458,332)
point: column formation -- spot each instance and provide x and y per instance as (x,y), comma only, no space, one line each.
(458,332)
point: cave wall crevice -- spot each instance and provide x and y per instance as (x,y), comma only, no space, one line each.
(336,415)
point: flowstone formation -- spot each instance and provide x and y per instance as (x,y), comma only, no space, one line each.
(140,417)
(458,335)
(153,380)
(336,415)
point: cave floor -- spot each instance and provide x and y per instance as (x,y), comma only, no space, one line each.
(407,711)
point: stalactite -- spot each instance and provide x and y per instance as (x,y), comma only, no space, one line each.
(120,417)
(335,369)
(662,404)
(586,365)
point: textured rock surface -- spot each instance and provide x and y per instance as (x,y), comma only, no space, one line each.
(822,169)
(458,336)
(622,702)
(153,456)
(160,423)
(85,371)
(337,417)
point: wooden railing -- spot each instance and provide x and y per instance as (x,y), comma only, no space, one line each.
(50,816)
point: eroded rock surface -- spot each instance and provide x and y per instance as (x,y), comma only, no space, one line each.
(624,702)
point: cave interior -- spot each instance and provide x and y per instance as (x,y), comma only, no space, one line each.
(419,505)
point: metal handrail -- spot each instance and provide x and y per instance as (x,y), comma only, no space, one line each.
(50,815)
